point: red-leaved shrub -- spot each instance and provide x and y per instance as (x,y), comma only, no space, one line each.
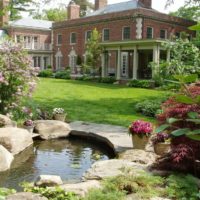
(185,152)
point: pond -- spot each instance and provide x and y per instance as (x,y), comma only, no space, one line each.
(67,158)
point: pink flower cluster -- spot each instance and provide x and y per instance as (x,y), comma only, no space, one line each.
(141,128)
(28,122)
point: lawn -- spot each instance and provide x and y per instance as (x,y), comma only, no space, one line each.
(93,102)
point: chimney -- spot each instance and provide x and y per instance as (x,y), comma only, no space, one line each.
(4,17)
(100,4)
(146,3)
(73,10)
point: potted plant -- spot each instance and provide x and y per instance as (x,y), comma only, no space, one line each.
(140,131)
(161,143)
(29,125)
(59,114)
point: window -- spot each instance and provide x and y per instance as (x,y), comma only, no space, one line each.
(18,38)
(106,34)
(163,34)
(126,33)
(178,34)
(149,32)
(73,38)
(88,35)
(59,39)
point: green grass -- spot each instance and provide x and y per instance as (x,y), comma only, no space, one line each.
(93,102)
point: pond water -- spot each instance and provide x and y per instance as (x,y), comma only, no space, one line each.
(67,158)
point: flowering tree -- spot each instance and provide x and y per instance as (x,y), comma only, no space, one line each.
(17,76)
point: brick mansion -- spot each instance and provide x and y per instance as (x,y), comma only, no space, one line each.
(132,33)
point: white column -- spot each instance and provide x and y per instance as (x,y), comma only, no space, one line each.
(156,58)
(119,64)
(42,62)
(103,70)
(135,63)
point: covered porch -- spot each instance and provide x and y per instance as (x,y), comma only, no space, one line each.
(128,60)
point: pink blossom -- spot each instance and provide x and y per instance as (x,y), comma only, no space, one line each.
(141,128)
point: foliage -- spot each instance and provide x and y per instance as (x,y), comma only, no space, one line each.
(85,5)
(143,185)
(110,80)
(185,57)
(50,193)
(93,51)
(105,194)
(182,187)
(5,192)
(141,83)
(46,73)
(17,76)
(15,7)
(191,12)
(181,117)
(53,14)
(140,128)
(63,74)
(150,107)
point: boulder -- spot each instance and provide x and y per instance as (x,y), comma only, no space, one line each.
(6,159)
(51,129)
(15,140)
(82,188)
(25,196)
(48,181)
(139,156)
(6,121)
(111,168)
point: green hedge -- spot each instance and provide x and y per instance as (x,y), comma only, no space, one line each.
(63,74)
(46,73)
(142,83)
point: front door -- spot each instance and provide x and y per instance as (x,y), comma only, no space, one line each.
(124,64)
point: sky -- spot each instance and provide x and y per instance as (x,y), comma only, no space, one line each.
(157,4)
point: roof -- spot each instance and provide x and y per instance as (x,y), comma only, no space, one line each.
(32,23)
(118,7)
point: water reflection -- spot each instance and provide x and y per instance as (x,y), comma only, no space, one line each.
(66,158)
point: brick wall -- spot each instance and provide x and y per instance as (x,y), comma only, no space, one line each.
(115,22)
(44,36)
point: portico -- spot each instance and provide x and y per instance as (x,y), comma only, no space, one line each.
(131,59)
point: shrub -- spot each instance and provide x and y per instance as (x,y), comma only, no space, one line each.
(50,193)
(181,118)
(142,83)
(46,73)
(182,187)
(109,80)
(63,74)
(5,192)
(150,107)
(17,76)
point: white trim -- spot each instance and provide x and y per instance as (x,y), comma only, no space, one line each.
(71,43)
